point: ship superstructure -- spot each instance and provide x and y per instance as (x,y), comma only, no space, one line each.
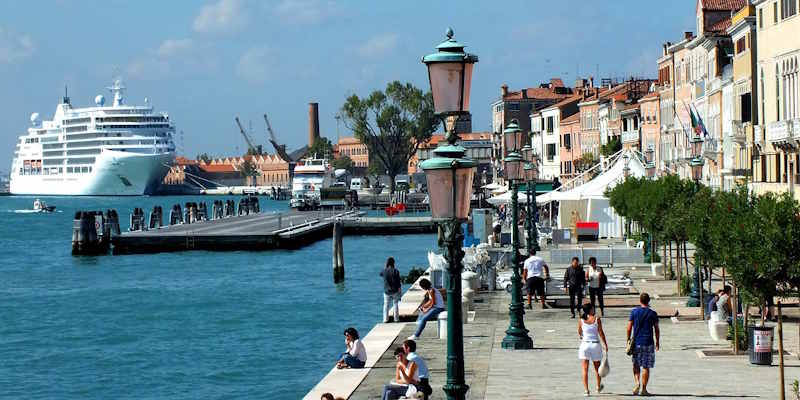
(101,150)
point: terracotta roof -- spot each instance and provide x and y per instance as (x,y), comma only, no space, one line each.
(536,93)
(217,168)
(565,102)
(723,5)
(571,119)
(556,82)
(185,161)
(720,26)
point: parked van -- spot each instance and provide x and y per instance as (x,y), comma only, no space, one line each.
(355,184)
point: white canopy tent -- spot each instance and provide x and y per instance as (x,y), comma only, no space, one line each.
(587,202)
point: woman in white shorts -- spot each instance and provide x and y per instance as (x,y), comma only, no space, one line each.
(590,330)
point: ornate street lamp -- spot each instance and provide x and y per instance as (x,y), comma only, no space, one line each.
(696,164)
(531,176)
(626,170)
(527,154)
(516,334)
(449,175)
(650,164)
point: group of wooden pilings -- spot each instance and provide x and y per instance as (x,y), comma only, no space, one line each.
(92,231)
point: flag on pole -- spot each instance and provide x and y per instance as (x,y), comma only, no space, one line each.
(697,124)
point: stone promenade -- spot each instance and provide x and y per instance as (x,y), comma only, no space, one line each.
(552,370)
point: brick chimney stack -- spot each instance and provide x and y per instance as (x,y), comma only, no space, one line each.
(313,123)
(504,90)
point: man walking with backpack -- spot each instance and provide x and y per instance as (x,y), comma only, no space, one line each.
(391,290)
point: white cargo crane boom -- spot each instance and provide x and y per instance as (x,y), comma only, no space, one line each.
(250,146)
(281,149)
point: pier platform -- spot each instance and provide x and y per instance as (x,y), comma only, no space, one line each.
(288,230)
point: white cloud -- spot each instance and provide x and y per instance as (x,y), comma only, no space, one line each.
(14,46)
(256,65)
(148,68)
(224,16)
(378,45)
(185,55)
(174,47)
(305,11)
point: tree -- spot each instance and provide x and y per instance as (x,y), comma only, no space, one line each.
(585,163)
(392,124)
(343,162)
(614,145)
(204,157)
(322,148)
(248,169)
(254,151)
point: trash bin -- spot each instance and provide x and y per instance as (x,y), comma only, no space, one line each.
(760,348)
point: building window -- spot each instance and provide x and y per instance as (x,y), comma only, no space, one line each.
(513,106)
(550,122)
(551,151)
(740,45)
(788,8)
(745,101)
(567,141)
(775,13)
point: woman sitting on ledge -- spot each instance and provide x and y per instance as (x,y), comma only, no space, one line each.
(430,309)
(406,377)
(356,355)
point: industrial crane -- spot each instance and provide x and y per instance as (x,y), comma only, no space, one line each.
(251,148)
(279,148)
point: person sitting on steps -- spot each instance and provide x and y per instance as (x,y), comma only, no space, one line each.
(356,354)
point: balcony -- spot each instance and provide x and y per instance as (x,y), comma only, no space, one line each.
(711,148)
(757,136)
(779,133)
(738,132)
(630,137)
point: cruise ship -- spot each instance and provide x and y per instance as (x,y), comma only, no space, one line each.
(103,150)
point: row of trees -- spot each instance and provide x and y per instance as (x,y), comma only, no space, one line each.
(756,239)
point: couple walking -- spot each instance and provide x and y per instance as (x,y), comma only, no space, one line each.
(643,340)
(576,279)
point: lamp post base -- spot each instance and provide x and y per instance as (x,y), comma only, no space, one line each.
(455,391)
(513,342)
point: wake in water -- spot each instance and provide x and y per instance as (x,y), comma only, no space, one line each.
(30,211)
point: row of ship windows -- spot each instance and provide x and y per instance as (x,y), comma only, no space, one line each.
(54,171)
(93,143)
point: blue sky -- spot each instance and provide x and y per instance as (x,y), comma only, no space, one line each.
(207,62)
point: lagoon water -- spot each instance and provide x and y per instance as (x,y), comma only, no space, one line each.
(180,326)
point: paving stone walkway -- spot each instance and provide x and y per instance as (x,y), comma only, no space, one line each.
(552,370)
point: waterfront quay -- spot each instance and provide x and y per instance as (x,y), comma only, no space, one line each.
(282,230)
(552,369)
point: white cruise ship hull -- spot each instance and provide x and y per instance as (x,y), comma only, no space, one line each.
(114,173)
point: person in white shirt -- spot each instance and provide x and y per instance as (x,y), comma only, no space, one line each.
(424,385)
(597,284)
(724,304)
(535,273)
(406,378)
(356,354)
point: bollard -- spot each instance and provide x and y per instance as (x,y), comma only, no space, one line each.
(338,253)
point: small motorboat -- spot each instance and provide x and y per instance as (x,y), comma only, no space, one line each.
(40,206)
